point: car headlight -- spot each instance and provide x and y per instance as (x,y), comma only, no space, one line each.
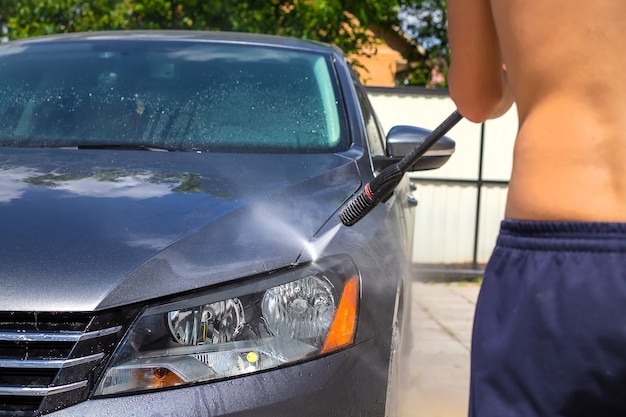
(280,319)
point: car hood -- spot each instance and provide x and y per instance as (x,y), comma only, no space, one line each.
(85,230)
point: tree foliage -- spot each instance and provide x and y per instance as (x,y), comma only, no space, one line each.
(344,23)
(426,22)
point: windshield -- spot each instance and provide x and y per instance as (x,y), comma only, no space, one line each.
(176,95)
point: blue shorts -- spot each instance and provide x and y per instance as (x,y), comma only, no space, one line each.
(549,334)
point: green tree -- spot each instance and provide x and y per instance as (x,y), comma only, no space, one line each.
(344,23)
(44,17)
(426,22)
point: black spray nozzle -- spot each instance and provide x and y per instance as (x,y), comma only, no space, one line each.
(373,193)
(386,181)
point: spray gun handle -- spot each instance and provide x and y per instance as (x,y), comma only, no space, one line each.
(373,193)
(383,185)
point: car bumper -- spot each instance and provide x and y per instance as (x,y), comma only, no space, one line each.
(349,382)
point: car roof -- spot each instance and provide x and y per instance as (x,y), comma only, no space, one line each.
(190,35)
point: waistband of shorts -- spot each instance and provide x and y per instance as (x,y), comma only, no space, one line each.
(566,236)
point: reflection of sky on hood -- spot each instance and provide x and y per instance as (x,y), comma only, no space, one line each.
(15,181)
(131,187)
(12,184)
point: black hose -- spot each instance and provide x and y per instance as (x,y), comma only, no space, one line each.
(386,181)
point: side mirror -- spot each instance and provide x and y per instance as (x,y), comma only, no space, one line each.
(402,139)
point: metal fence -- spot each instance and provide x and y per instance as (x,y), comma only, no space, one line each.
(461,204)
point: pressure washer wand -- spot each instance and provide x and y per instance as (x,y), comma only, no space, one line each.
(386,181)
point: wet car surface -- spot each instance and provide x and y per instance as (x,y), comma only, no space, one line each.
(171,242)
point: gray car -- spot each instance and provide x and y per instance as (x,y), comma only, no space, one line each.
(170,236)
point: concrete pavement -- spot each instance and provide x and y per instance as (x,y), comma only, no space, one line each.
(439,361)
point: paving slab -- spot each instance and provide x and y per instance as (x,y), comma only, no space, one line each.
(438,385)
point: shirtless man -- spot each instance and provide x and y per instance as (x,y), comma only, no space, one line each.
(550,328)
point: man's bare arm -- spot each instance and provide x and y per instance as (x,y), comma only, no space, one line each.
(478,83)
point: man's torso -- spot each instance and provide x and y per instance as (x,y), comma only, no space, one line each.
(566,65)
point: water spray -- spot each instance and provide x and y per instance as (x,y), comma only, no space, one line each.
(386,181)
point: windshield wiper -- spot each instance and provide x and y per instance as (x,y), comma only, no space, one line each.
(127,146)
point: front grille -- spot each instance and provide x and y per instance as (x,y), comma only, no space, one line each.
(50,361)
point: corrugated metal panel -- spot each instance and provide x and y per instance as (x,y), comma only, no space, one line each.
(429,112)
(445,226)
(444,223)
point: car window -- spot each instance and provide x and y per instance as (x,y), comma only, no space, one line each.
(178,95)
(372,127)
